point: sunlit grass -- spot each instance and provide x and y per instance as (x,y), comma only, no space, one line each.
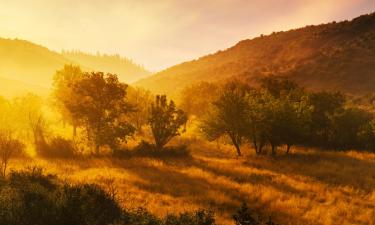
(306,187)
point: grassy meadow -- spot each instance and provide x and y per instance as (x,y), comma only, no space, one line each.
(306,187)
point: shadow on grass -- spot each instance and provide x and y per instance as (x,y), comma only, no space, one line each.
(332,168)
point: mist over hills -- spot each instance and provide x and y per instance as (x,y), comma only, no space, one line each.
(25,65)
(335,56)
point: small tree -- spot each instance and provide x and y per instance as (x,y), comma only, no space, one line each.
(229,115)
(165,120)
(140,99)
(9,147)
(64,81)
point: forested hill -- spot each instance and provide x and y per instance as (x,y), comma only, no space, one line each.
(125,68)
(334,56)
(33,64)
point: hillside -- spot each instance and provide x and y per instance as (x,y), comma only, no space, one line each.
(11,88)
(125,68)
(34,64)
(334,56)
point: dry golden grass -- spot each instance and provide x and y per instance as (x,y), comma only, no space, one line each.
(306,187)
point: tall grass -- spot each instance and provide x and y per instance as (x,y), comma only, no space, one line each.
(306,187)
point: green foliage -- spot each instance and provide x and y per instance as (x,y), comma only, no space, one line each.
(244,216)
(196,98)
(31,197)
(228,115)
(165,120)
(64,81)
(140,99)
(100,104)
(58,147)
(200,217)
(282,113)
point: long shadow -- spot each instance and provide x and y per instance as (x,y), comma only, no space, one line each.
(200,190)
(322,167)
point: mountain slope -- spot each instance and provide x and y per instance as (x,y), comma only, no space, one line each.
(34,64)
(126,69)
(335,56)
(12,88)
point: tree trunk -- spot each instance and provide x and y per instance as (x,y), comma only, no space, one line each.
(238,149)
(288,146)
(97,149)
(256,147)
(236,143)
(74,132)
(273,149)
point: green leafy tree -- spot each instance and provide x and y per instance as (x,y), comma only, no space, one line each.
(64,81)
(196,98)
(347,126)
(324,106)
(101,106)
(140,99)
(165,120)
(229,114)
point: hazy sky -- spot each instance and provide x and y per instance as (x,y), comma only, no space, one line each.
(161,33)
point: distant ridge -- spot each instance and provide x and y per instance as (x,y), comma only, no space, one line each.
(35,65)
(335,56)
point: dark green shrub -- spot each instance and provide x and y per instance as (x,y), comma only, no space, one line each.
(57,147)
(244,216)
(201,217)
(149,150)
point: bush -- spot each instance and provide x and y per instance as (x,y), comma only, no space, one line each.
(58,147)
(149,150)
(244,216)
(29,197)
(201,217)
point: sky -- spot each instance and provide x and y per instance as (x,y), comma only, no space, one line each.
(161,33)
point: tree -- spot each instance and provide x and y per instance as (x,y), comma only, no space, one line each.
(257,119)
(64,94)
(140,99)
(165,120)
(101,106)
(196,98)
(9,147)
(228,115)
(278,86)
(324,106)
(347,126)
(29,119)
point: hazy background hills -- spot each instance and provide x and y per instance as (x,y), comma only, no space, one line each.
(334,56)
(25,66)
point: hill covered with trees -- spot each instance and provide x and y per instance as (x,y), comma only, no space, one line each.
(335,56)
(34,64)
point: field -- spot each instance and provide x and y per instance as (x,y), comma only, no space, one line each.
(306,187)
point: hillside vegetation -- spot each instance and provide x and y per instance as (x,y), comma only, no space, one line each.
(335,56)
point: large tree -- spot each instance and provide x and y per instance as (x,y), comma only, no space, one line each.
(101,106)
(165,120)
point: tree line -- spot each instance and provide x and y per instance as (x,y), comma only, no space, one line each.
(278,112)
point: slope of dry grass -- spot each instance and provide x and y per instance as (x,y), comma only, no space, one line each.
(307,187)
